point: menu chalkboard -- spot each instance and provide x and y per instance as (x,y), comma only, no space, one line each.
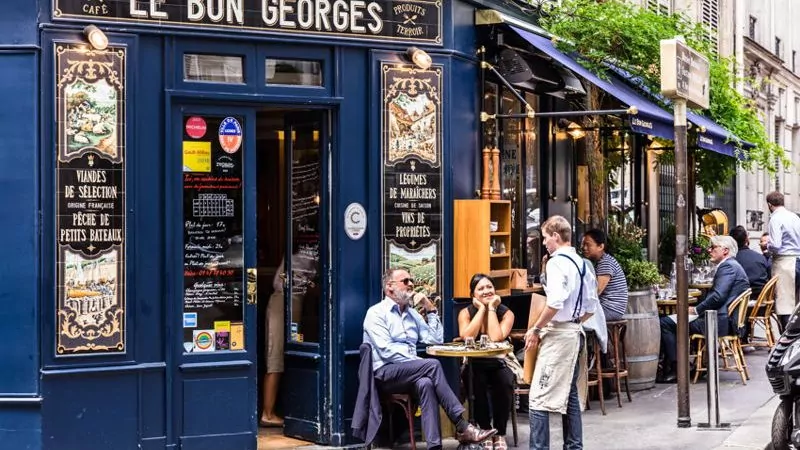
(213,259)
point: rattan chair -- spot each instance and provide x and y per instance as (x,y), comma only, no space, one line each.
(761,316)
(729,346)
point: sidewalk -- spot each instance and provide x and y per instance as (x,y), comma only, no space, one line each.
(649,422)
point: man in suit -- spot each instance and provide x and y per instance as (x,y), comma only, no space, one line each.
(753,263)
(729,282)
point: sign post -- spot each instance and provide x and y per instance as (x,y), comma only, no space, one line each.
(684,78)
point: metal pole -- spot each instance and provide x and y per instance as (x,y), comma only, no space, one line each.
(712,347)
(681,228)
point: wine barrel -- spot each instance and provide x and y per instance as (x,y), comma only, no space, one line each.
(642,339)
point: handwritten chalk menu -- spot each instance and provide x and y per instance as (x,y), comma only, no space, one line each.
(213,258)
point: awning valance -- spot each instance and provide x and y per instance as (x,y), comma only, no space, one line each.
(651,119)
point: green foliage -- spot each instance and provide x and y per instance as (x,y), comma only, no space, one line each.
(698,251)
(625,244)
(617,32)
(641,275)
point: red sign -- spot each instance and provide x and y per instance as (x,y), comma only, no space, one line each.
(196,127)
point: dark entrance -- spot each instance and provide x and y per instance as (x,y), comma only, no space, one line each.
(290,232)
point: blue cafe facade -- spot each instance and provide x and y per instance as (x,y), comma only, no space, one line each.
(170,164)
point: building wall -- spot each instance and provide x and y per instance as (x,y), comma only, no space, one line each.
(777,95)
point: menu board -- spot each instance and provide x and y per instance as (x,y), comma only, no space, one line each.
(213,259)
(305,234)
(412,174)
(90,200)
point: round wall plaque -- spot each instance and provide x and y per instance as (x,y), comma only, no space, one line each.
(355,221)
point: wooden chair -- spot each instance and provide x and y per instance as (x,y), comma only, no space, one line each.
(761,316)
(406,402)
(522,389)
(729,346)
(594,379)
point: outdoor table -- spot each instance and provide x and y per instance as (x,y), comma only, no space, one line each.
(459,350)
(701,286)
(667,306)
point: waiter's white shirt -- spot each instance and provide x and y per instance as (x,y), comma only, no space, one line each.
(784,233)
(561,284)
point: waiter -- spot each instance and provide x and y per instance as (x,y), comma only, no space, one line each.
(784,244)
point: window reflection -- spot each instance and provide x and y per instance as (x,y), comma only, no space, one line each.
(294,72)
(213,68)
(533,203)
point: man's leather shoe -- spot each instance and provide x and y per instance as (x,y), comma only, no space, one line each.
(473,435)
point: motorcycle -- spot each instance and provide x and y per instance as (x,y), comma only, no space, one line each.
(783,372)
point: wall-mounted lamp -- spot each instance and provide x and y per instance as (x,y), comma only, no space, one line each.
(419,57)
(572,128)
(96,37)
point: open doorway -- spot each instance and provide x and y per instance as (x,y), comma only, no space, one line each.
(289,187)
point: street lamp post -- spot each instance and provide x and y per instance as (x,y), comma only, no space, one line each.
(684,78)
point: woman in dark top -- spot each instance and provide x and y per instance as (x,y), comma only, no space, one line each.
(487,316)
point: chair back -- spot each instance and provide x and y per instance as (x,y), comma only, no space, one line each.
(766,299)
(739,307)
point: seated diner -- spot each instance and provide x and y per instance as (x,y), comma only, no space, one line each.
(612,286)
(491,376)
(730,280)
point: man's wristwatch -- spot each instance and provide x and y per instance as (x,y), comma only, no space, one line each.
(537,331)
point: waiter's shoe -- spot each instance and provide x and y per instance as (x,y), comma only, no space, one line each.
(473,434)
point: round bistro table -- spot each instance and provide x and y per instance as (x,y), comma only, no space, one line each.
(459,350)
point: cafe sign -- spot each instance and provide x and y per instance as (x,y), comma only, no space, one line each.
(684,73)
(418,21)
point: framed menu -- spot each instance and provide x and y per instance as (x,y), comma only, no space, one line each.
(213,258)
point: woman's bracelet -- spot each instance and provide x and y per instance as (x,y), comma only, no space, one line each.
(493,309)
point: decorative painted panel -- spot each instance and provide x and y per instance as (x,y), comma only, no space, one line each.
(411,136)
(90,200)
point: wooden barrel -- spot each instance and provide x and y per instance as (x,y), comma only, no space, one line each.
(642,339)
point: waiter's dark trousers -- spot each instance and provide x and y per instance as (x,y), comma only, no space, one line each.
(426,378)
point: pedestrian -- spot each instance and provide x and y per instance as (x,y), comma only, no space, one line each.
(393,329)
(784,244)
(571,299)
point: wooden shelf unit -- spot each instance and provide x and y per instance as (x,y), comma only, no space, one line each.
(473,244)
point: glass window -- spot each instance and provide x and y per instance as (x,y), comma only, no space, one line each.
(294,72)
(213,262)
(532,201)
(489,107)
(213,68)
(511,135)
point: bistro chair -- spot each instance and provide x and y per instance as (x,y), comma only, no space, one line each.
(619,371)
(730,346)
(761,316)
(519,389)
(387,400)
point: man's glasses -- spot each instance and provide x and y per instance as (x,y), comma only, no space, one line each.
(712,247)
(405,281)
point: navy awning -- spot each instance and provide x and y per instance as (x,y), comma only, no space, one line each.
(651,118)
(710,135)
(714,137)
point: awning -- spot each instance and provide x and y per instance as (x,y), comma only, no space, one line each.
(651,119)
(712,136)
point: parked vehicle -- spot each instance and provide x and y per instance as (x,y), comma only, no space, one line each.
(783,372)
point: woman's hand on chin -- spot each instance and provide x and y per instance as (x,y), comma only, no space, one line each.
(478,304)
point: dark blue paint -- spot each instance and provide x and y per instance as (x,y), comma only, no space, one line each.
(154,396)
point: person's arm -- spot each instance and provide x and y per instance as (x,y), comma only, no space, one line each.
(720,289)
(602,282)
(377,329)
(471,327)
(775,235)
(431,332)
(495,329)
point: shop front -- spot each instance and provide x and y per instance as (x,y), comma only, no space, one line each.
(182,164)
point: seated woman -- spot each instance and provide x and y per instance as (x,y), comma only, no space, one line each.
(487,316)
